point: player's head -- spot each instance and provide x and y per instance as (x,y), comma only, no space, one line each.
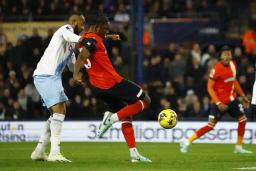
(226,55)
(77,22)
(98,23)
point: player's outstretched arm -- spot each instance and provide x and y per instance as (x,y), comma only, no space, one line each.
(112,36)
(69,36)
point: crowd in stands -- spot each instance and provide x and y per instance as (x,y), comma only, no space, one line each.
(174,77)
(119,10)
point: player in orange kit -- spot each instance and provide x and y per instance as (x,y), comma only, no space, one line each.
(123,97)
(223,89)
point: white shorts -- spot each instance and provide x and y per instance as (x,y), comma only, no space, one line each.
(50,89)
(254,94)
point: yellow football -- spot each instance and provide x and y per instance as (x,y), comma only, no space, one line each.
(167,118)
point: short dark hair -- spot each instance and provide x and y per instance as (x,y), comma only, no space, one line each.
(225,48)
(95,18)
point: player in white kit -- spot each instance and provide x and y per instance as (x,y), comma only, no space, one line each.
(47,80)
(253,102)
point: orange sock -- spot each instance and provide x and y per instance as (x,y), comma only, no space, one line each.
(192,138)
(200,132)
(128,133)
(240,130)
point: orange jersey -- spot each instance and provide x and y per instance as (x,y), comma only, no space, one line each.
(99,67)
(225,82)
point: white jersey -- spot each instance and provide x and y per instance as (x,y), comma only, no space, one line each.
(59,53)
(254,91)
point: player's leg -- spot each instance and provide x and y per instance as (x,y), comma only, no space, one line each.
(236,110)
(128,132)
(134,108)
(39,152)
(214,117)
(253,102)
(52,92)
(115,104)
(58,116)
(41,85)
(136,100)
(212,121)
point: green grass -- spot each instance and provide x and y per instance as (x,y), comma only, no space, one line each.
(115,157)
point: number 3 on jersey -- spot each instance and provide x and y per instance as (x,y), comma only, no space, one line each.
(88,64)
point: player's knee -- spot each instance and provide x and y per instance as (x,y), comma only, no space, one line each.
(212,121)
(59,108)
(242,119)
(211,125)
(127,120)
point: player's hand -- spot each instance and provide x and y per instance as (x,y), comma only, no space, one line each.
(245,101)
(80,40)
(113,36)
(78,79)
(222,107)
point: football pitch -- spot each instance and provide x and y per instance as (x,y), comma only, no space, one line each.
(115,157)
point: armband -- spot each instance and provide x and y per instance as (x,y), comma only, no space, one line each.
(89,44)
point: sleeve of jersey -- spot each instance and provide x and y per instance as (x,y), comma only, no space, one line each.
(213,73)
(238,88)
(69,36)
(89,44)
(211,91)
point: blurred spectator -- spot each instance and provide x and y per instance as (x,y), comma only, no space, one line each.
(209,54)
(24,100)
(2,86)
(155,69)
(3,42)
(165,104)
(117,61)
(2,110)
(16,111)
(170,95)
(172,50)
(77,106)
(18,54)
(13,83)
(35,44)
(249,40)
(47,40)
(121,14)
(32,93)
(206,106)
(196,110)
(177,67)
(195,54)
(182,107)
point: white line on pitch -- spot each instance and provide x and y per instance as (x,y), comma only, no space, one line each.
(246,168)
